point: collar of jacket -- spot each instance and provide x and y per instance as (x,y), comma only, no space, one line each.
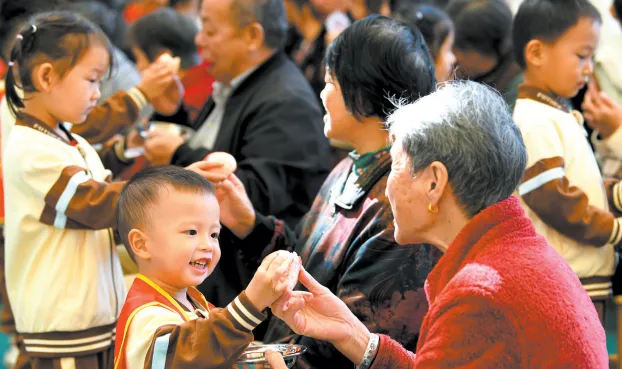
(365,181)
(256,75)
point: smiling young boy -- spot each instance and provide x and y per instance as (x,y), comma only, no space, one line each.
(169,221)
(562,190)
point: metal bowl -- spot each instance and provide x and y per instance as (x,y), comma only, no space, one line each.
(183,131)
(254,356)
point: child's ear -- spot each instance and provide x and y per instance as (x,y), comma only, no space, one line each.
(535,53)
(138,243)
(44,76)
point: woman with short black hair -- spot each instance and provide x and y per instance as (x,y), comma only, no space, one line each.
(346,239)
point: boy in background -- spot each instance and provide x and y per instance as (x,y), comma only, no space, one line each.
(562,190)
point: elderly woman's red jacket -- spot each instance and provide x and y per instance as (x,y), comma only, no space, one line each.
(501,297)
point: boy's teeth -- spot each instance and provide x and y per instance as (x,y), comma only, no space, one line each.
(198,264)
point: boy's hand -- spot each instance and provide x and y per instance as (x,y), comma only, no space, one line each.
(271,279)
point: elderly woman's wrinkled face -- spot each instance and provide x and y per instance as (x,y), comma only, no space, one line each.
(339,124)
(408,199)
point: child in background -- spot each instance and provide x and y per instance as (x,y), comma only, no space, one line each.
(166,31)
(483,45)
(438,32)
(562,190)
(62,271)
(169,220)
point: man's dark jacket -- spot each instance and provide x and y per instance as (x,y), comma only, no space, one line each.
(273,126)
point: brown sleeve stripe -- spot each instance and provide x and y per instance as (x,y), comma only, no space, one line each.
(616,233)
(59,344)
(244,313)
(138,97)
(566,208)
(540,180)
(60,221)
(617,196)
(77,201)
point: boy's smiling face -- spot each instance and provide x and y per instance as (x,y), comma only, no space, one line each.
(565,65)
(181,234)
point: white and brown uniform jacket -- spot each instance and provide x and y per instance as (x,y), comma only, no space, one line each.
(63,275)
(156,331)
(563,191)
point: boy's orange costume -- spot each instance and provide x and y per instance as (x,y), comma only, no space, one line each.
(153,327)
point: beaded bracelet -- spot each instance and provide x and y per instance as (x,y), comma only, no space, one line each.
(370,352)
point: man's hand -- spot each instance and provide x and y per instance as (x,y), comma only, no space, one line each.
(236,210)
(209,171)
(160,146)
(134,140)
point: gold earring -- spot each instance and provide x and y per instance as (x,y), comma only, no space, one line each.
(432,208)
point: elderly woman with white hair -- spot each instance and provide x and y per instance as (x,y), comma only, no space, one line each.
(501,296)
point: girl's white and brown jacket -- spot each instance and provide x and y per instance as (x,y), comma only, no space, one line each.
(156,331)
(63,275)
(563,191)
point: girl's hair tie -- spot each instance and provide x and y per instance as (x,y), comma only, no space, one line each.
(19,36)
(34,28)
(11,64)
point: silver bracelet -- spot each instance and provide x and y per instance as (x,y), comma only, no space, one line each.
(370,352)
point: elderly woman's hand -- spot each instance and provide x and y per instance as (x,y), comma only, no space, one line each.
(322,315)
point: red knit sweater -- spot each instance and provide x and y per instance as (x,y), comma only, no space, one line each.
(501,297)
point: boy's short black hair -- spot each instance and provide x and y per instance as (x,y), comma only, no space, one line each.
(166,29)
(547,20)
(141,192)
